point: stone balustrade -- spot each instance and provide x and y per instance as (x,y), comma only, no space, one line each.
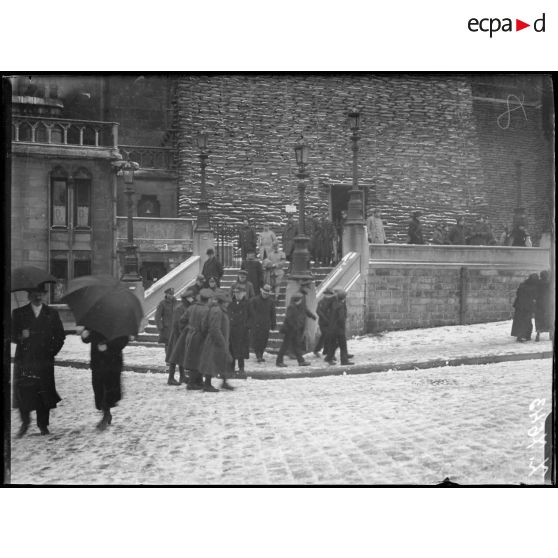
(150,157)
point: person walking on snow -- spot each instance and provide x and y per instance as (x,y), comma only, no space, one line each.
(522,326)
(337,336)
(293,331)
(324,316)
(163,316)
(175,350)
(239,340)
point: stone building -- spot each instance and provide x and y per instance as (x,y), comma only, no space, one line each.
(444,144)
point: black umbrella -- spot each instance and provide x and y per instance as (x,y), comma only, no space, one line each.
(102,304)
(29,277)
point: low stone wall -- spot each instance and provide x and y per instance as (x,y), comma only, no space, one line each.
(479,288)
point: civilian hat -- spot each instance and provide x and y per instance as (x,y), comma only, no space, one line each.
(266,289)
(243,272)
(207,293)
(170,291)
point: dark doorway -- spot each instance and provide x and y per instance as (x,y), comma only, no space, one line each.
(152,272)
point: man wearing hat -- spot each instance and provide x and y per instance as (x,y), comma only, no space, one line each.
(212,267)
(175,347)
(324,315)
(293,331)
(215,358)
(242,281)
(255,271)
(198,285)
(414,232)
(262,319)
(163,316)
(238,312)
(39,335)
(337,329)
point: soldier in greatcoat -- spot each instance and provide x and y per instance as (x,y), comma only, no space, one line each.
(106,370)
(255,271)
(215,357)
(293,331)
(263,318)
(336,332)
(195,321)
(324,316)
(39,335)
(239,340)
(524,304)
(163,316)
(175,349)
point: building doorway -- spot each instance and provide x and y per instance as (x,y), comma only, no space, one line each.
(151,272)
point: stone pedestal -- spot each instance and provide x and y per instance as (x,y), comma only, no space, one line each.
(311,326)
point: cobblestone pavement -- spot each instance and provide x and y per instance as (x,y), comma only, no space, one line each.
(469,423)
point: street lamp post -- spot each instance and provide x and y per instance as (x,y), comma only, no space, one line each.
(131,262)
(300,268)
(355,211)
(202,222)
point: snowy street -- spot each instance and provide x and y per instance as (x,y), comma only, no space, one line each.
(469,423)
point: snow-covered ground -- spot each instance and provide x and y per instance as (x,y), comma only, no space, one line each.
(393,347)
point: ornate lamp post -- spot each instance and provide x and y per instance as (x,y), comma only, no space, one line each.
(355,212)
(202,223)
(301,256)
(131,262)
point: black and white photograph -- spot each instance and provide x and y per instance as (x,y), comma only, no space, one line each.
(281,278)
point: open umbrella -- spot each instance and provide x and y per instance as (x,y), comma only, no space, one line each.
(102,304)
(29,277)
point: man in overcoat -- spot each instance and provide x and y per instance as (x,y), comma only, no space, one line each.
(39,335)
(175,348)
(263,318)
(106,371)
(212,267)
(293,331)
(239,340)
(255,271)
(376,234)
(524,304)
(458,234)
(337,336)
(215,357)
(290,230)
(247,239)
(163,316)
(195,322)
(414,232)
(324,316)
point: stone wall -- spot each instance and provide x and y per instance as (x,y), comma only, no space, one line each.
(426,144)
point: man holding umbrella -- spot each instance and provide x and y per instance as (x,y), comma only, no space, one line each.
(39,335)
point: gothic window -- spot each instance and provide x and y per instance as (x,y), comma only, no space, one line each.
(59,198)
(82,199)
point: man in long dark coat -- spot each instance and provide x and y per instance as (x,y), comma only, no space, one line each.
(263,318)
(519,236)
(175,347)
(457,234)
(247,239)
(293,331)
(212,267)
(106,371)
(239,340)
(524,305)
(414,232)
(336,332)
(255,271)
(290,230)
(163,316)
(215,358)
(542,305)
(196,324)
(39,335)
(324,315)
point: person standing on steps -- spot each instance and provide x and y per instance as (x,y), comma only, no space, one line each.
(267,238)
(39,335)
(175,350)
(279,263)
(106,371)
(337,336)
(215,357)
(254,269)
(414,232)
(163,317)
(293,331)
(290,231)
(263,318)
(247,239)
(239,340)
(212,268)
(242,281)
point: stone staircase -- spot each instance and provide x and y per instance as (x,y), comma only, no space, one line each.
(149,337)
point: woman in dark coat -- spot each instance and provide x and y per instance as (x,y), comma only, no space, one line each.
(239,342)
(524,305)
(215,357)
(196,318)
(106,370)
(542,305)
(175,347)
(39,338)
